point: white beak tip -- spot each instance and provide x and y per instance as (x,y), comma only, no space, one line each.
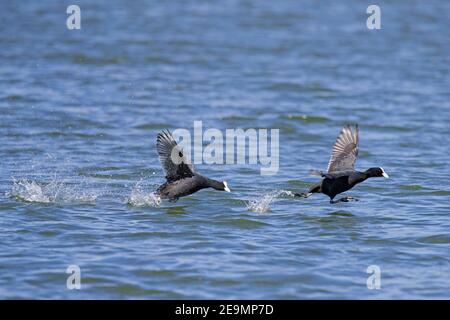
(226,187)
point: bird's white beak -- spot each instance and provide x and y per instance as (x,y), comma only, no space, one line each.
(384,174)
(226,187)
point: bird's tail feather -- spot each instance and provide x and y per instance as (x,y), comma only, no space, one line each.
(316,173)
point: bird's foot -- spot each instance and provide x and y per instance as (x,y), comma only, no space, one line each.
(344,199)
(349,199)
(302,195)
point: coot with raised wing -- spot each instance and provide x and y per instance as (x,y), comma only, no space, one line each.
(182,179)
(341,174)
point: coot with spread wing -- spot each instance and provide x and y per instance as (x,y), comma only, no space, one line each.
(182,179)
(341,174)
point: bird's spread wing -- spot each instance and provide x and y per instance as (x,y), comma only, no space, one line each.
(174,162)
(345,150)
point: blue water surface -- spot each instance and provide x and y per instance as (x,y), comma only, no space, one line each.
(80,111)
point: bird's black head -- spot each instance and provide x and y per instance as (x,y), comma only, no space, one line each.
(377,172)
(225,186)
(218,185)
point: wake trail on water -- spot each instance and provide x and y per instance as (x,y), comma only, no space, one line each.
(262,203)
(49,179)
(50,192)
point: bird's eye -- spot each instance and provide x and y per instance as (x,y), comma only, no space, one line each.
(180,154)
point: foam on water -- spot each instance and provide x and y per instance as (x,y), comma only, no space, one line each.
(52,192)
(141,198)
(262,203)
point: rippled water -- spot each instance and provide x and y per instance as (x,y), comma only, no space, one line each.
(80,114)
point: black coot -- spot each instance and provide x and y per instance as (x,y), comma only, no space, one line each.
(341,174)
(182,180)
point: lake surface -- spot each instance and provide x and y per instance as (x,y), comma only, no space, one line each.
(80,111)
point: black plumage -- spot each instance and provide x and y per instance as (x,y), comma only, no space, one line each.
(341,174)
(182,179)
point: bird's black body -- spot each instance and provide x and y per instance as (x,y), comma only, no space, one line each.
(182,180)
(341,175)
(186,186)
(332,187)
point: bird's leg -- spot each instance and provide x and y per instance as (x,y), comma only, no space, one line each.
(344,199)
(303,195)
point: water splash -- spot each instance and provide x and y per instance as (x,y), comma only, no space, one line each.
(52,192)
(142,198)
(262,203)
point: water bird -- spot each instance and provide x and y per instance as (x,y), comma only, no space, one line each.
(182,179)
(341,174)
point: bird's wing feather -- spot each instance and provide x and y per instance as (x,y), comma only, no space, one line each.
(345,150)
(174,162)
